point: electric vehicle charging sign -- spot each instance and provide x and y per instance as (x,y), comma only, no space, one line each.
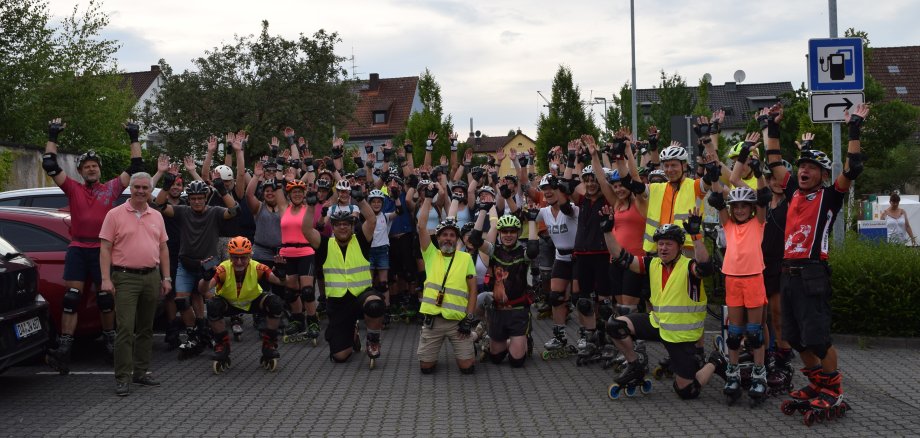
(835,64)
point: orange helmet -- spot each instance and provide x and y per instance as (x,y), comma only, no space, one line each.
(296,184)
(239,245)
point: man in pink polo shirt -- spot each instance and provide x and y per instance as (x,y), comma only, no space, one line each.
(89,201)
(133,239)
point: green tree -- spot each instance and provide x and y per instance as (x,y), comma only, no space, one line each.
(430,119)
(259,84)
(567,117)
(674,99)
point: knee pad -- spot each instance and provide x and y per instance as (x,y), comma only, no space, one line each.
(819,350)
(735,333)
(516,363)
(105,301)
(753,336)
(216,307)
(604,310)
(273,305)
(182,303)
(291,295)
(374,308)
(428,370)
(557,298)
(688,392)
(585,307)
(468,370)
(71,300)
(617,328)
(497,358)
(308,294)
(626,310)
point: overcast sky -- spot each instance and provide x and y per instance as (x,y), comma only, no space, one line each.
(491,57)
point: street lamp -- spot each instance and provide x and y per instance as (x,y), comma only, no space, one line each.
(603,100)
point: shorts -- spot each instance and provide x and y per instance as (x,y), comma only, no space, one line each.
(562,269)
(380,257)
(254,307)
(82,263)
(508,323)
(626,282)
(343,313)
(402,260)
(771,274)
(431,339)
(593,274)
(806,293)
(745,291)
(300,266)
(186,281)
(547,254)
(683,356)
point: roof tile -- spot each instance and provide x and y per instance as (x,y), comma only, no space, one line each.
(391,94)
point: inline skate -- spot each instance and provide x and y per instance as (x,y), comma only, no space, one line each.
(373,348)
(221,356)
(558,346)
(59,358)
(269,359)
(631,379)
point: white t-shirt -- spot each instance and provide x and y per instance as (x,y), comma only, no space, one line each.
(561,229)
(381,231)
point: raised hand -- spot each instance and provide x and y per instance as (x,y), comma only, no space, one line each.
(289,135)
(694,222)
(258,171)
(163,163)
(212,144)
(807,140)
(133,130)
(189,162)
(55,127)
(273,146)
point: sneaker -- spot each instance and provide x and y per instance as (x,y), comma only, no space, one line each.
(121,389)
(145,380)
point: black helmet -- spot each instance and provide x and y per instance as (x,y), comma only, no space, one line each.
(341,215)
(197,188)
(447,224)
(90,155)
(467,227)
(670,232)
(323,183)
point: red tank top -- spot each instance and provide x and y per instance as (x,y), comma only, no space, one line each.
(293,242)
(629,229)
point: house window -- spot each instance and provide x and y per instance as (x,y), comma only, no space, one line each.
(380,117)
(900,90)
(893,69)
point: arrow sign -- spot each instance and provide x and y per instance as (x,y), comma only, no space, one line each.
(829,107)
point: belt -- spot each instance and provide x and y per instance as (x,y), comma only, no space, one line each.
(138,271)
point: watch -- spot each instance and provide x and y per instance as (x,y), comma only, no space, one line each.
(169,279)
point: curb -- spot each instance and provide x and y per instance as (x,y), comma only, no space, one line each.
(872,341)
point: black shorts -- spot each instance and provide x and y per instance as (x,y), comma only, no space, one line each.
(626,282)
(254,307)
(806,292)
(300,266)
(504,324)
(343,313)
(593,274)
(563,269)
(402,256)
(771,275)
(683,354)
(82,263)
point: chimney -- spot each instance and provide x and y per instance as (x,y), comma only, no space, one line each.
(155,67)
(374,82)
(731,87)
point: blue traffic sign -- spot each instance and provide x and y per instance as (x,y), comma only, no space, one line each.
(835,64)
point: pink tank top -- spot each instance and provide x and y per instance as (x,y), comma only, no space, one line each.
(293,242)
(629,229)
(743,254)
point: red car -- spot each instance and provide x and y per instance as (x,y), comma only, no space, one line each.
(43,234)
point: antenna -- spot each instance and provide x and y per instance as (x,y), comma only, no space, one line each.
(354,67)
(707,78)
(739,76)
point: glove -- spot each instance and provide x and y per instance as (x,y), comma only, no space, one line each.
(755,166)
(295,163)
(477,172)
(619,146)
(357,193)
(855,126)
(168,180)
(806,145)
(570,159)
(717,200)
(53,130)
(715,127)
(368,148)
(219,186)
(764,121)
(485,206)
(505,191)
(693,224)
(273,150)
(281,161)
(309,163)
(522,160)
(429,145)
(359,162)
(606,224)
(311,198)
(703,129)
(453,145)
(431,191)
(745,152)
(532,214)
(325,211)
(337,152)
(134,131)
(585,158)
(653,142)
(466,325)
(408,149)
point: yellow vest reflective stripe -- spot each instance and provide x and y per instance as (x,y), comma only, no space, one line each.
(679,318)
(248,292)
(683,203)
(456,294)
(350,272)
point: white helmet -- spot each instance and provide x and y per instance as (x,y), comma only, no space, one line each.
(657,173)
(226,173)
(548,180)
(673,153)
(342,185)
(742,194)
(375,194)
(587,170)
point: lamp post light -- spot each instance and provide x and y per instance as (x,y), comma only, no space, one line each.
(603,100)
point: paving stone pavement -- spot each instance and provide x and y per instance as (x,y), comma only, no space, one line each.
(310,396)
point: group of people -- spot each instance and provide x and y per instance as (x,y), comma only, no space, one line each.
(611,230)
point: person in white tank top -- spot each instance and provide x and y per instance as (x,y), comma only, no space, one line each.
(895,218)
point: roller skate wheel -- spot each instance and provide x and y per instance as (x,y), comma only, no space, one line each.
(546,355)
(658,373)
(314,342)
(613,391)
(646,386)
(809,418)
(215,366)
(373,362)
(630,390)
(788,407)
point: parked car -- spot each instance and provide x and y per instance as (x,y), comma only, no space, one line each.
(24,327)
(43,234)
(47,197)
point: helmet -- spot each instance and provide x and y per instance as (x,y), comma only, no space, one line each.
(587,170)
(512,178)
(322,183)
(459,185)
(657,173)
(768,171)
(548,180)
(90,155)
(272,183)
(673,153)
(816,157)
(342,185)
(341,215)
(741,194)
(670,232)
(375,194)
(735,150)
(424,183)
(467,227)
(613,176)
(295,184)
(239,245)
(486,189)
(509,221)
(226,173)
(197,188)
(644,171)
(447,224)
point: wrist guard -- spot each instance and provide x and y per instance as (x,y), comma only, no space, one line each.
(653,142)
(54,129)
(764,196)
(855,125)
(291,140)
(359,162)
(635,187)
(453,145)
(311,198)
(387,154)
(570,159)
(429,145)
(133,131)
(368,148)
(357,194)
(408,149)
(702,130)
(717,200)
(337,152)
(624,259)
(606,224)
(219,186)
(505,191)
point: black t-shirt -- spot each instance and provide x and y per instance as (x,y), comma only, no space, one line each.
(515,263)
(323,249)
(589,238)
(774,233)
(243,224)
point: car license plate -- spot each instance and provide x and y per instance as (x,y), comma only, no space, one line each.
(27,327)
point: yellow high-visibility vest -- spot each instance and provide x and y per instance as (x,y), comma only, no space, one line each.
(674,313)
(456,293)
(350,272)
(685,200)
(248,292)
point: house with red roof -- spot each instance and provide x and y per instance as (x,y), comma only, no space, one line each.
(383,109)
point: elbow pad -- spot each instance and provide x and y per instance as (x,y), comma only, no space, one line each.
(705,269)
(855,166)
(717,200)
(161,207)
(764,196)
(137,165)
(624,259)
(636,187)
(234,210)
(50,164)
(476,238)
(533,249)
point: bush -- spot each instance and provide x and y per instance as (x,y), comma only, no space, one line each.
(876,288)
